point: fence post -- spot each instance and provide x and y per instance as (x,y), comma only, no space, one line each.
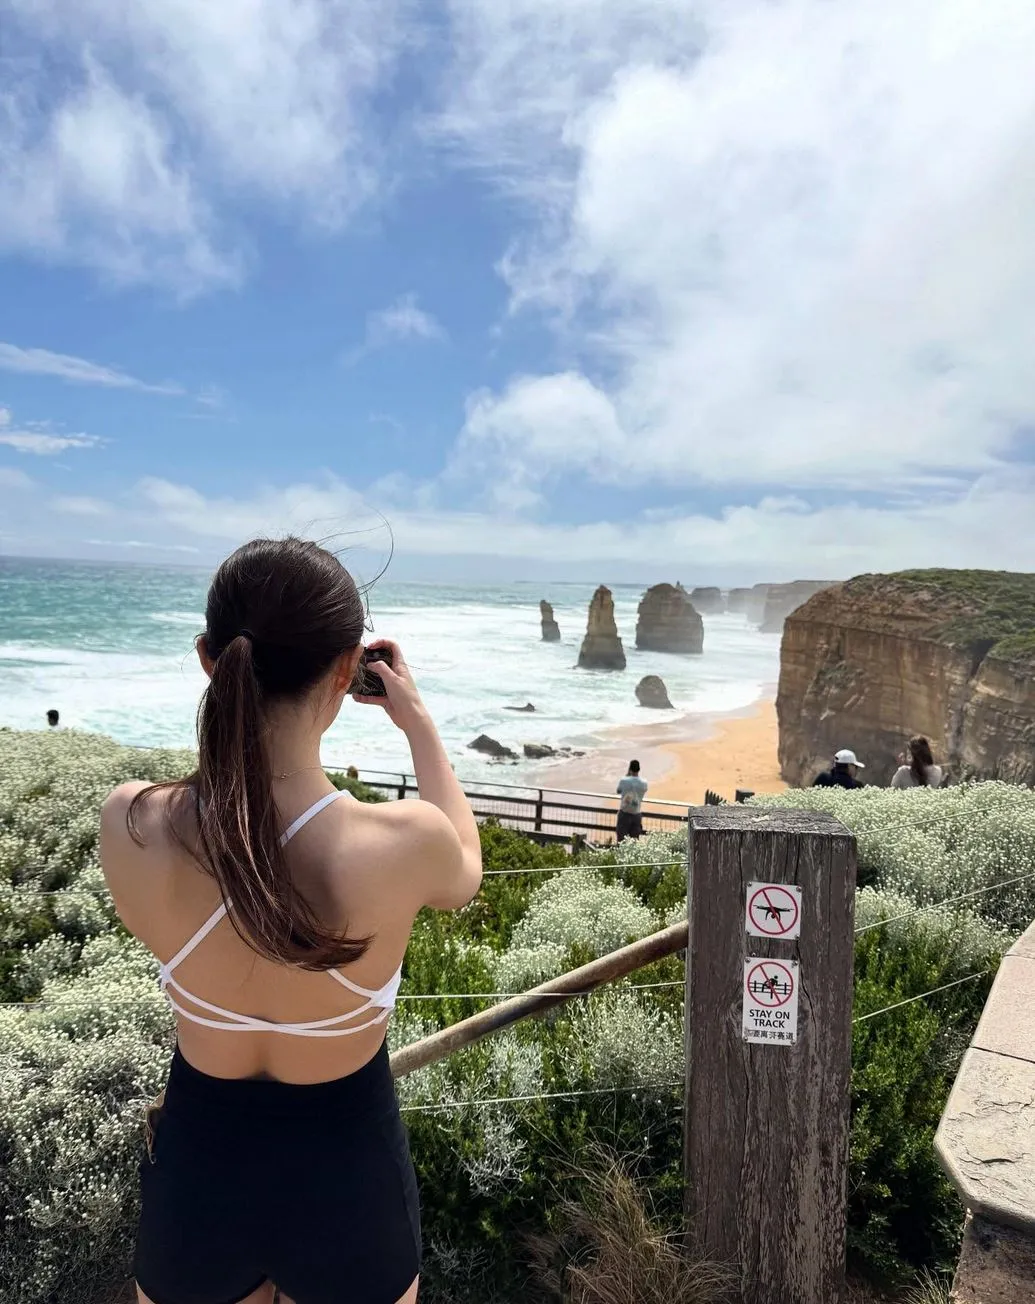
(767,1124)
(539,812)
(402,788)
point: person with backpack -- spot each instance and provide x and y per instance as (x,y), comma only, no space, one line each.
(631,789)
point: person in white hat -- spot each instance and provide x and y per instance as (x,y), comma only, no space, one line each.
(844,772)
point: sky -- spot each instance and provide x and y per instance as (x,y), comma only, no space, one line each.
(733,290)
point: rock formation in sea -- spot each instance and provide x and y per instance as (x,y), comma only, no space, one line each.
(538,751)
(947,654)
(651,692)
(527,709)
(551,630)
(490,747)
(709,602)
(602,648)
(749,602)
(782,599)
(667,621)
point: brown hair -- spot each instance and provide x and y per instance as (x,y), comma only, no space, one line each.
(920,759)
(279,614)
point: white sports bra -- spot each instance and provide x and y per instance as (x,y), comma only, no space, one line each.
(382,1000)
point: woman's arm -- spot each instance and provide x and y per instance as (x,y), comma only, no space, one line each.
(455,854)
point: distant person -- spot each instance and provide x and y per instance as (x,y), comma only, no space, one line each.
(52,719)
(630,810)
(844,773)
(352,772)
(921,771)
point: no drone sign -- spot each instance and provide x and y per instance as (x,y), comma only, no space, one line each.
(773,910)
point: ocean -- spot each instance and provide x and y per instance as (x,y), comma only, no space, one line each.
(111,648)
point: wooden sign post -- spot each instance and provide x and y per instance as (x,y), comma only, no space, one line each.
(768,1048)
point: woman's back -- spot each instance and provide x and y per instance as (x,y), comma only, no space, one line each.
(355,865)
(905,777)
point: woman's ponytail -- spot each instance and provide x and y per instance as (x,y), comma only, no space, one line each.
(280,615)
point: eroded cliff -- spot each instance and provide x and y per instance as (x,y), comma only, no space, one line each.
(947,654)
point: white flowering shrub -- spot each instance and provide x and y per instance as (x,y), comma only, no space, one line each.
(75,1074)
(622,1038)
(931,846)
(576,908)
(51,789)
(967,939)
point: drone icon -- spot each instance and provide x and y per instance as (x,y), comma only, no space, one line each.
(774,910)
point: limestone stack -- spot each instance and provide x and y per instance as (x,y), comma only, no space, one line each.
(667,621)
(947,654)
(602,648)
(782,599)
(551,630)
(709,602)
(651,692)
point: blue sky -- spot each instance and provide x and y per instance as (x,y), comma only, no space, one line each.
(571,288)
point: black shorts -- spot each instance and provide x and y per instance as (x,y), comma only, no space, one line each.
(629,825)
(253,1180)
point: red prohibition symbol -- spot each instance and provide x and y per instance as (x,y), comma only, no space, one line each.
(773,910)
(770,984)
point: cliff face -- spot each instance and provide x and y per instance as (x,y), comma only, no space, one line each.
(551,630)
(667,622)
(602,648)
(782,599)
(946,654)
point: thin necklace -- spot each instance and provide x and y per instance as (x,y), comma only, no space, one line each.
(291,773)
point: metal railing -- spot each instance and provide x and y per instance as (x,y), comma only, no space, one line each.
(544,813)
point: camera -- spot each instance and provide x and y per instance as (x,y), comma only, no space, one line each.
(371,685)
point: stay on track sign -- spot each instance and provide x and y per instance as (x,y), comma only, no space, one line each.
(770,1001)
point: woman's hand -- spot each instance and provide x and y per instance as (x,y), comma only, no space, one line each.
(402,702)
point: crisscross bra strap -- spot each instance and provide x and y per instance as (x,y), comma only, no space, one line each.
(383,999)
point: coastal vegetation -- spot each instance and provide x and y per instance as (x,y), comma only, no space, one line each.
(500,1132)
(979,610)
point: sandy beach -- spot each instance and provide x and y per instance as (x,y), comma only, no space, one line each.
(681,761)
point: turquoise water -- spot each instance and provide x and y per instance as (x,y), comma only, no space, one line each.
(111,648)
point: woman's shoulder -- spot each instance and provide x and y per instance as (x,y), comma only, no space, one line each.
(903,777)
(407,821)
(136,808)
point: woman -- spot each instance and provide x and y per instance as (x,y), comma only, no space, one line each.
(280,916)
(921,771)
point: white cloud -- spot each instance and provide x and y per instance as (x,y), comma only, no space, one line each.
(10,478)
(129,145)
(99,183)
(42,362)
(402,320)
(42,444)
(78,505)
(775,537)
(788,242)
